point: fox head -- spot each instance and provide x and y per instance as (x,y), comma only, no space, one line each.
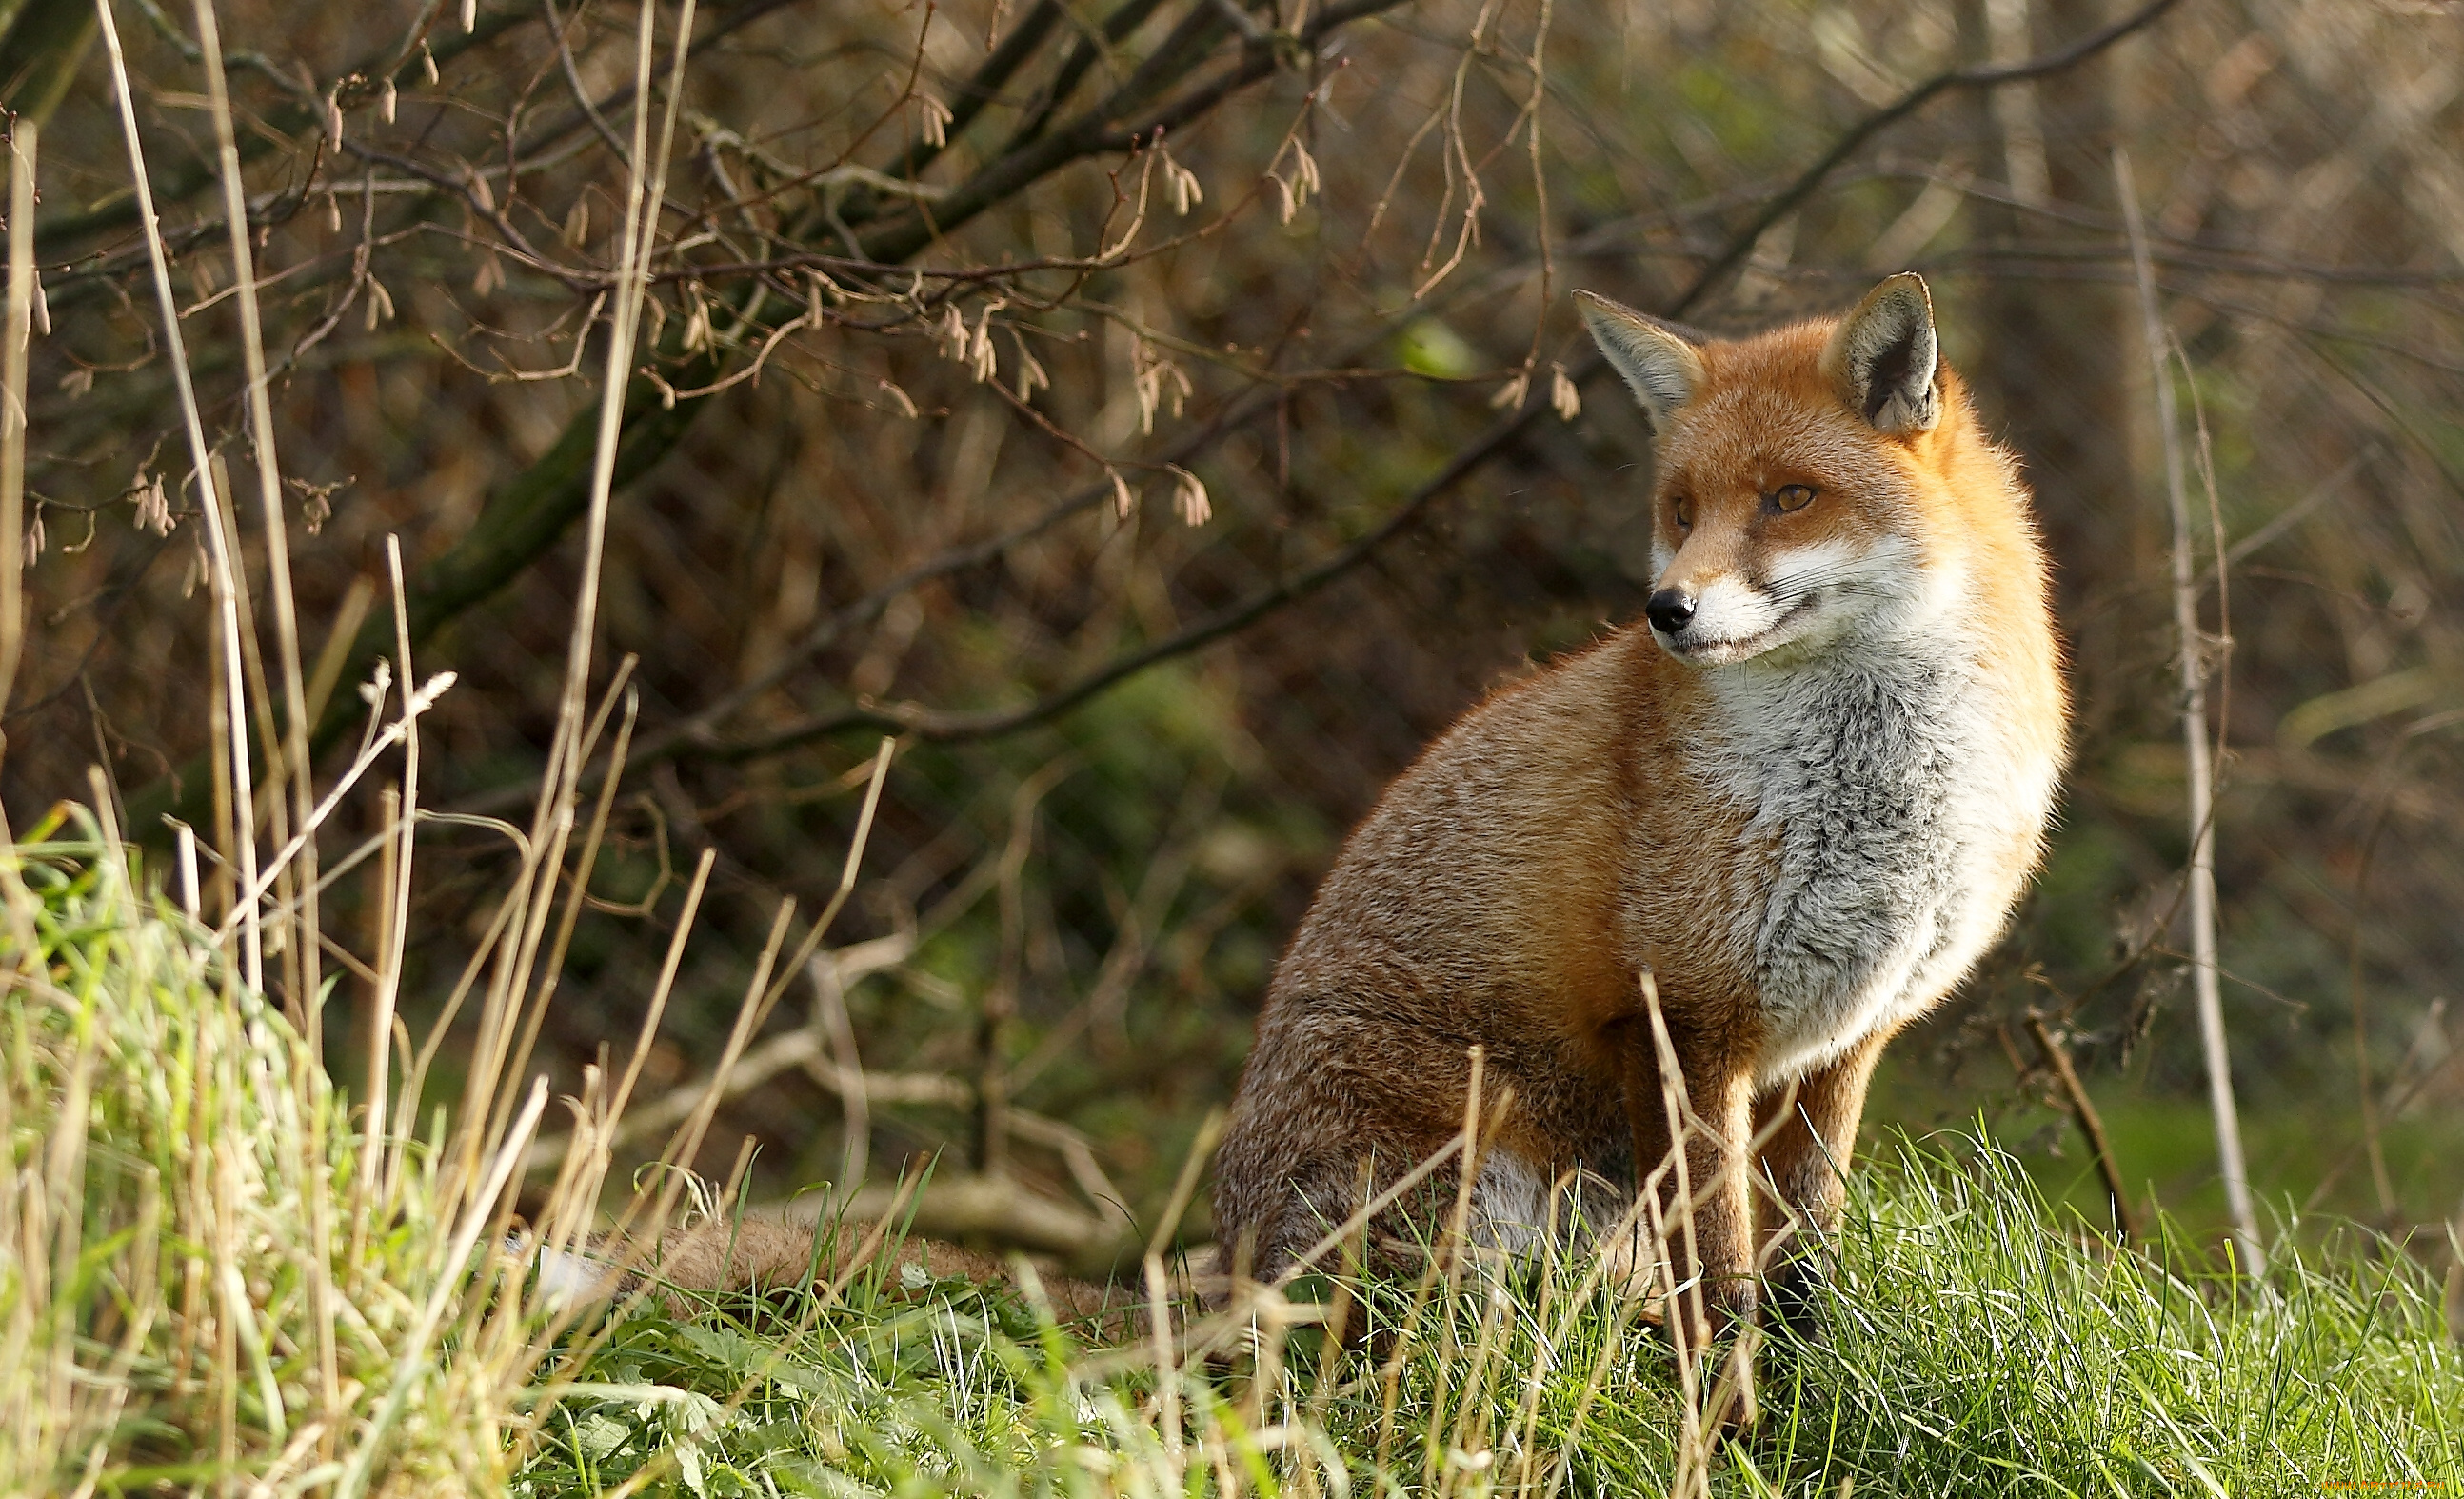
(1802,476)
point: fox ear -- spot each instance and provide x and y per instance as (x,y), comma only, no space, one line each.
(1882,356)
(1663,368)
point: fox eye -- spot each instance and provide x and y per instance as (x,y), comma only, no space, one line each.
(1793,497)
(1681,511)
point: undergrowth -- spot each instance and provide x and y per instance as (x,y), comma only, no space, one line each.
(177,1315)
(1973,1345)
(199,1281)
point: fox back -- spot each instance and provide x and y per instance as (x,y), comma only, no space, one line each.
(1792,806)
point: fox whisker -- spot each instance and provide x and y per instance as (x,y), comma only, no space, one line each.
(1844,579)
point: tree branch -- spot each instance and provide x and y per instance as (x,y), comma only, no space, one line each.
(938,726)
(945,726)
(524,518)
(1909,103)
(699,730)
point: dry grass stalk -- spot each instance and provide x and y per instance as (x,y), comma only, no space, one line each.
(1687,1316)
(398,803)
(293,761)
(482,1124)
(18,330)
(301,951)
(223,569)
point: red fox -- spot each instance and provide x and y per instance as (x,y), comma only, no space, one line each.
(1800,800)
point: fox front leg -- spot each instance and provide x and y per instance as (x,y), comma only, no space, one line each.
(1705,1214)
(1706,1208)
(1720,1205)
(1813,1135)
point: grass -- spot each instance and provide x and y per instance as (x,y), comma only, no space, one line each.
(1974,1349)
(181,1314)
(2305,1156)
(193,1286)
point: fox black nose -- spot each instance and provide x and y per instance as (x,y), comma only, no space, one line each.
(1669,610)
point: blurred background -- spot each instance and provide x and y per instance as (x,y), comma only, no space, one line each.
(1161,417)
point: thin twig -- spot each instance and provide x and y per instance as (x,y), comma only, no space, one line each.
(2058,1056)
(2202,873)
(573,80)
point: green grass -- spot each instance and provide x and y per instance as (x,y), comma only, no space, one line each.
(2305,1151)
(1976,1347)
(185,1194)
(200,1285)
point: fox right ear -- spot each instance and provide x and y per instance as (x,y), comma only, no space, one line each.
(1662,368)
(1884,354)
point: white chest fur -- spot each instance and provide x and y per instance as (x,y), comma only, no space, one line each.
(1881,784)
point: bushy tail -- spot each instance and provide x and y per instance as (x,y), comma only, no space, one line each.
(759,1253)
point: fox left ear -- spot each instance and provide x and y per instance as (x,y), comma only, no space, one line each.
(1660,367)
(1882,356)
